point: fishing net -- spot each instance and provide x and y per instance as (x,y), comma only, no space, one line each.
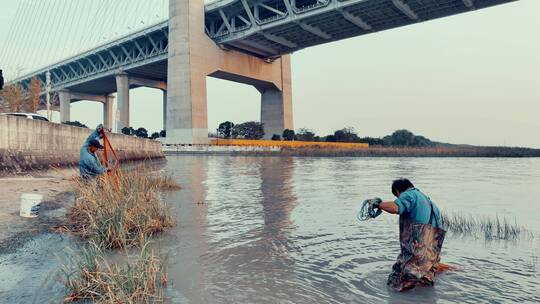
(369,209)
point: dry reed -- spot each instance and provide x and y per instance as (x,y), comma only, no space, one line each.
(90,276)
(120,210)
(378,151)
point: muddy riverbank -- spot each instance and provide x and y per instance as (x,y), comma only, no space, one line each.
(57,190)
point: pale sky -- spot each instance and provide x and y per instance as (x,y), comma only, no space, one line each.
(472,78)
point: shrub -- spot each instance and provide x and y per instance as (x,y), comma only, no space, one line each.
(289,135)
(225,129)
(120,210)
(75,124)
(141,132)
(276,137)
(128,131)
(90,276)
(248,130)
(154,135)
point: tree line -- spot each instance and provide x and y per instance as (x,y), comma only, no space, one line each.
(255,130)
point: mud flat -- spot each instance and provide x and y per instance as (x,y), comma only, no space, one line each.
(55,186)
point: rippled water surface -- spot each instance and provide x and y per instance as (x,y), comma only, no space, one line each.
(283,230)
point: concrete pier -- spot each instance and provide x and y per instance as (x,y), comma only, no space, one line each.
(122,87)
(192,56)
(273,112)
(65,105)
(108,111)
(164,109)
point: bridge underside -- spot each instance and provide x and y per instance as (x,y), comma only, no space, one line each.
(274,27)
(155,71)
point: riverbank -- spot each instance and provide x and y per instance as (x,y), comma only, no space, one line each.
(375,151)
(57,190)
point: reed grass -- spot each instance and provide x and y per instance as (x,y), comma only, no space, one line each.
(91,276)
(488,228)
(121,210)
(378,151)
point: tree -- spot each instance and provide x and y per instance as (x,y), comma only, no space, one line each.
(155,135)
(162,133)
(372,141)
(34,95)
(13,97)
(305,135)
(330,138)
(141,132)
(75,124)
(248,130)
(128,131)
(406,138)
(346,134)
(225,129)
(1,80)
(276,137)
(289,135)
(401,138)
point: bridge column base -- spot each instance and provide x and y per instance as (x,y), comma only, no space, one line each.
(273,116)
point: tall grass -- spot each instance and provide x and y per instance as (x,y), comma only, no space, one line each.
(488,228)
(91,276)
(378,151)
(120,210)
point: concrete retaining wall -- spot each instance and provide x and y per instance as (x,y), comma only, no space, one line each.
(27,144)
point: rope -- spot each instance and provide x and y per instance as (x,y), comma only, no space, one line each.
(368,209)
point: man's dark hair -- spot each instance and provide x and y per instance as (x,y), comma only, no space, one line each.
(401,185)
(95,143)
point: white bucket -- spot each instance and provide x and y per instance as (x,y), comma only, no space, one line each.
(30,204)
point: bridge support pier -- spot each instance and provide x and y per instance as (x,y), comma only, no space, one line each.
(164,109)
(273,112)
(122,89)
(193,56)
(65,105)
(108,111)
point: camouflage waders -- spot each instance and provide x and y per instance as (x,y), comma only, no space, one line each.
(420,254)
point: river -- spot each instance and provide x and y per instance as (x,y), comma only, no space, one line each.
(283,230)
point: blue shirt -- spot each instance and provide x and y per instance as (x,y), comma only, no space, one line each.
(416,205)
(89,165)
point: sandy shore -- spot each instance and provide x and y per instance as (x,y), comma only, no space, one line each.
(55,186)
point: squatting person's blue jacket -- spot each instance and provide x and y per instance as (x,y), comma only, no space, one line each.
(89,165)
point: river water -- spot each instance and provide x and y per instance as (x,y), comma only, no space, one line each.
(283,230)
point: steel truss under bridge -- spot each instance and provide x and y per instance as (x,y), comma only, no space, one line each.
(263,28)
(270,28)
(132,52)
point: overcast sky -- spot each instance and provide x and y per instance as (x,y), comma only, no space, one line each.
(472,78)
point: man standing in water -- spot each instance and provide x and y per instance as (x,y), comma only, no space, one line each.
(420,234)
(89,165)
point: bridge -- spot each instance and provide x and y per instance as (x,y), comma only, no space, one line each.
(247,41)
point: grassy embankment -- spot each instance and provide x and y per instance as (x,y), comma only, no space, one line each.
(115,212)
(332,149)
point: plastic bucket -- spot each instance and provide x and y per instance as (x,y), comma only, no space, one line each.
(30,204)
